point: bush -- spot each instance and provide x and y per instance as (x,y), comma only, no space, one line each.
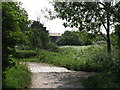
(109,78)
(70,58)
(92,58)
(55,58)
(76,38)
(17,77)
(85,57)
(25,53)
(52,47)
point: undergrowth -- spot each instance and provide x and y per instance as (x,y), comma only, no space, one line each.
(73,59)
(17,76)
(102,80)
(91,58)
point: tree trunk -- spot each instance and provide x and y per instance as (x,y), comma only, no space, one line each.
(108,42)
(108,32)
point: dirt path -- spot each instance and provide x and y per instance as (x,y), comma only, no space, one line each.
(49,76)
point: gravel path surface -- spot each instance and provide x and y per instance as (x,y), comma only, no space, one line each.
(49,76)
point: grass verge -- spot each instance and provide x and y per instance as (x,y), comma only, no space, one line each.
(17,76)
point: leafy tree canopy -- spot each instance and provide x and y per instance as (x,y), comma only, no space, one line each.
(39,35)
(76,38)
(89,16)
(14,24)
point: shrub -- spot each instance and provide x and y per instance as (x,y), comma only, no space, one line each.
(76,38)
(52,47)
(25,53)
(70,58)
(85,57)
(109,78)
(92,58)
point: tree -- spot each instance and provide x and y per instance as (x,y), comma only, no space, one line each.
(76,38)
(115,11)
(88,16)
(117,31)
(14,22)
(69,38)
(39,35)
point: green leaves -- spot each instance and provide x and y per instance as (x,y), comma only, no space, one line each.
(14,23)
(82,13)
(17,77)
(39,35)
(76,38)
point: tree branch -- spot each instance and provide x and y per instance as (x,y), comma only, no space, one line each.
(101,3)
(102,34)
(101,19)
(102,22)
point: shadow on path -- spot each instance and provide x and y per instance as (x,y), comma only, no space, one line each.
(56,78)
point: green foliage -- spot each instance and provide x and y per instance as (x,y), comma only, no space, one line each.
(117,31)
(89,16)
(114,38)
(38,35)
(70,58)
(14,23)
(52,47)
(92,58)
(83,15)
(76,38)
(17,77)
(115,11)
(102,80)
(55,58)
(84,58)
(87,58)
(31,59)
(25,53)
(22,47)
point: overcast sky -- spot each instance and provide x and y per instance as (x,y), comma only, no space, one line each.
(33,7)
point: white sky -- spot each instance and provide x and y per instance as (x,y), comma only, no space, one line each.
(33,7)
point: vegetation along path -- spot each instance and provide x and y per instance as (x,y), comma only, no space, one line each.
(49,76)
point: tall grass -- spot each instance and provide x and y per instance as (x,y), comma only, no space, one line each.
(71,58)
(17,77)
(109,76)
